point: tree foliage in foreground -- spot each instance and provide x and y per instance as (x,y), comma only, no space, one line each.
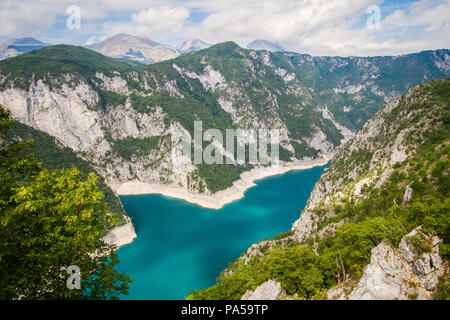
(48,222)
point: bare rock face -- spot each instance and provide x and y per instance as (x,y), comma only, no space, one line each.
(304,226)
(428,267)
(64,114)
(269,290)
(387,277)
(398,273)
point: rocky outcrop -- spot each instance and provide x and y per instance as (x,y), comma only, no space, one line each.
(398,273)
(258,249)
(269,290)
(407,196)
(122,235)
(427,266)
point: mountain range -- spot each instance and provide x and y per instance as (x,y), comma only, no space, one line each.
(142,49)
(138,48)
(123,46)
(129,47)
(193,45)
(124,119)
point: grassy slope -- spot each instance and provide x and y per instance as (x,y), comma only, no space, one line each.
(53,61)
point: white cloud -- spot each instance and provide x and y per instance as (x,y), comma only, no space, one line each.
(327,27)
(319,27)
(90,41)
(162,19)
(24,18)
(297,25)
(166,21)
(282,20)
(430,13)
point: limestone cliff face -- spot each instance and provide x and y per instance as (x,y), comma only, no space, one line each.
(68,114)
(64,114)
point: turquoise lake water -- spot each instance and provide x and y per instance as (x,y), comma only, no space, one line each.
(182,246)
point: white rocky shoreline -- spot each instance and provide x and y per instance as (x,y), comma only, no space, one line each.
(121,236)
(221,198)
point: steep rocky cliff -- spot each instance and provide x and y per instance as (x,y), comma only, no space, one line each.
(376,225)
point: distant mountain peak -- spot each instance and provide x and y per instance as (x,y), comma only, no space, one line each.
(131,47)
(193,45)
(28,41)
(265,45)
(15,47)
(25,41)
(125,38)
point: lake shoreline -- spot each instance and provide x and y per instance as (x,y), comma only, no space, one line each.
(221,198)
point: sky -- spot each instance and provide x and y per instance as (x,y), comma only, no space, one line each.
(316,27)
